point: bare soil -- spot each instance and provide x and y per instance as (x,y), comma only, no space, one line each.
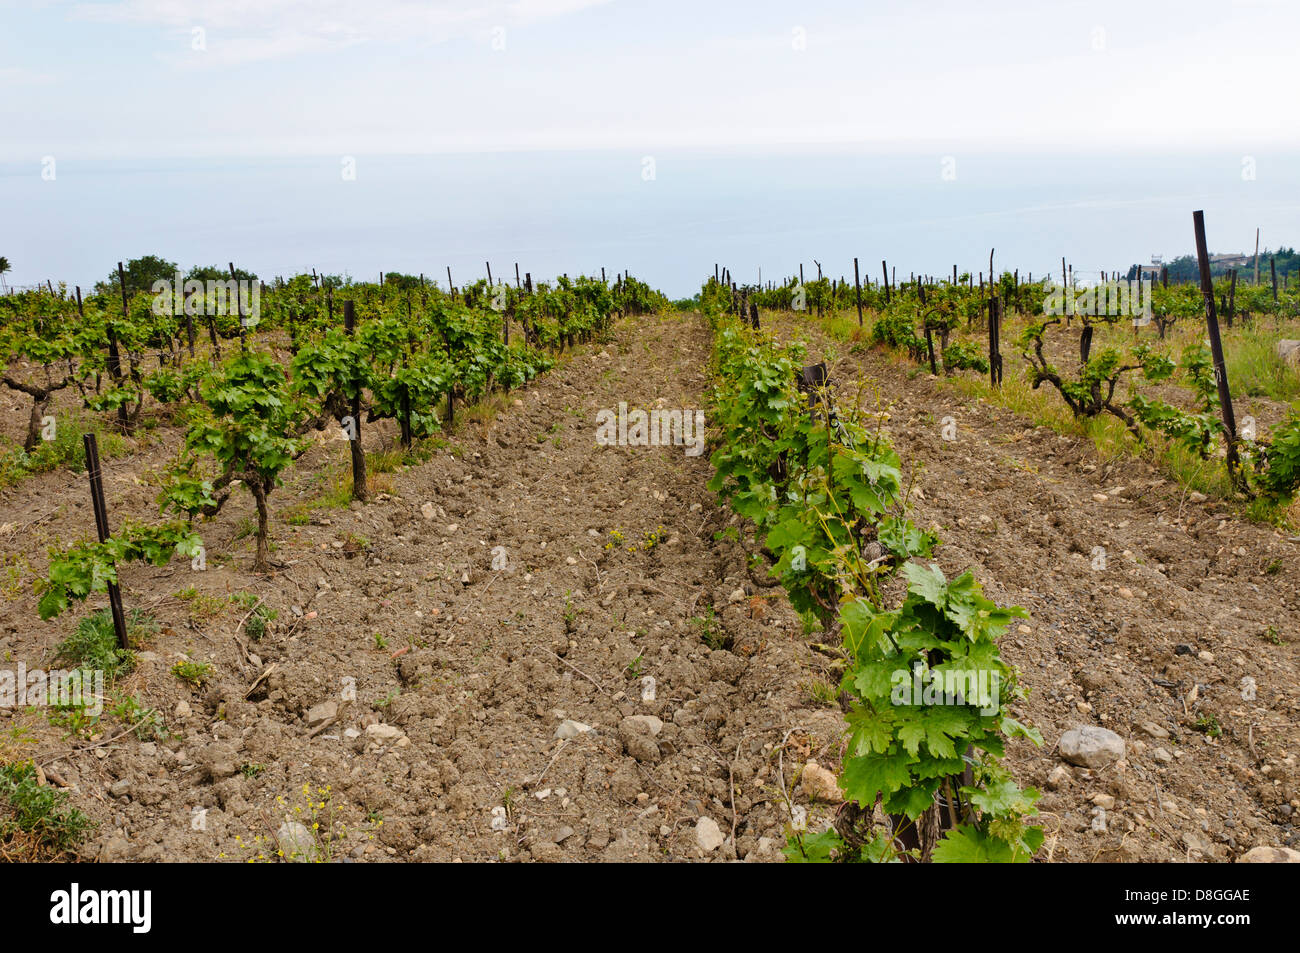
(449,678)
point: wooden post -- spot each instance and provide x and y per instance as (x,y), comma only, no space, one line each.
(451,288)
(1216,345)
(115,355)
(518,282)
(929,346)
(354,444)
(857,290)
(1232,295)
(239,308)
(95,474)
(884,270)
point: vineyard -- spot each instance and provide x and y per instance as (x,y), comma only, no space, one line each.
(362,582)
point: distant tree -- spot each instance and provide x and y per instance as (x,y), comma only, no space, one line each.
(217,273)
(141,273)
(404,282)
(4,267)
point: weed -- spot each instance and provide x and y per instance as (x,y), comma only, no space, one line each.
(195,673)
(37,812)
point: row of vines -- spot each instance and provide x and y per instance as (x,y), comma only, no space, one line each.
(253,383)
(932,321)
(825,492)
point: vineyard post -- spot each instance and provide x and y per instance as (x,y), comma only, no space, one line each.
(189,319)
(884,270)
(1216,345)
(114,355)
(857,290)
(239,308)
(95,474)
(1065,288)
(1232,296)
(929,346)
(354,443)
(602,274)
(995,350)
(451,288)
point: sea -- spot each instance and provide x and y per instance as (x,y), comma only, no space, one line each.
(668,218)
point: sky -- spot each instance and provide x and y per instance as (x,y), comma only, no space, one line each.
(656,135)
(164,78)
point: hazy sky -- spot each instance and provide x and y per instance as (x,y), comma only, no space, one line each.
(154,78)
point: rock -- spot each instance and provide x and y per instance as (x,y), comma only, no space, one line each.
(819,784)
(1091,747)
(648,689)
(183,709)
(1161,755)
(737,595)
(120,788)
(1270,855)
(571,729)
(652,724)
(450,529)
(297,843)
(1059,777)
(1099,497)
(383,734)
(708,834)
(638,738)
(216,761)
(1104,801)
(1098,821)
(427,511)
(1154,730)
(1124,592)
(1205,656)
(563,834)
(1289,351)
(322,714)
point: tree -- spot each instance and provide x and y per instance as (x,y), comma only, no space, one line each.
(207,273)
(4,267)
(141,273)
